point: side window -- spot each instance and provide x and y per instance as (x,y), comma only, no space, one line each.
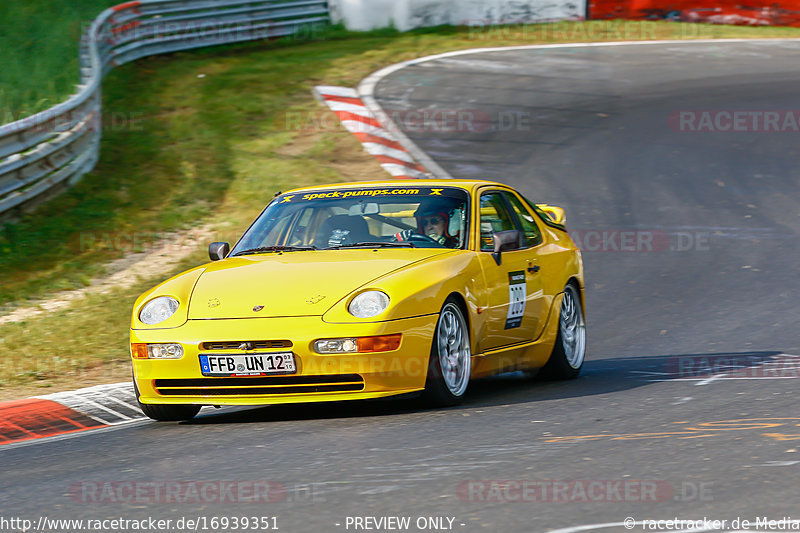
(531,236)
(494,217)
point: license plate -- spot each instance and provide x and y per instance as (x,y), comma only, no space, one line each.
(248,365)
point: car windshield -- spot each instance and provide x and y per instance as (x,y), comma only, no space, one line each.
(421,217)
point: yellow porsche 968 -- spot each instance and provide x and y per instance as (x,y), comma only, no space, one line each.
(366,290)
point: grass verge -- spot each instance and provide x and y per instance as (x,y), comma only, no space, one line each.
(207,137)
(39,40)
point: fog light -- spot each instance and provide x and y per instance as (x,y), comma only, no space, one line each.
(379,343)
(164,351)
(336,346)
(156,351)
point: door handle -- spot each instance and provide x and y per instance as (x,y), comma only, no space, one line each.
(534,268)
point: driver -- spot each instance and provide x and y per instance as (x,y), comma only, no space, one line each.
(433,221)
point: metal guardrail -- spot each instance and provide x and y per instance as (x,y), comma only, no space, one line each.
(45,153)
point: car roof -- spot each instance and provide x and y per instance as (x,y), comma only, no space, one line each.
(469,185)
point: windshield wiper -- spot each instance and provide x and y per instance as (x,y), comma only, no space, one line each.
(263,249)
(367,244)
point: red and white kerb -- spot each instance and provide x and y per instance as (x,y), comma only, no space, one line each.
(362,123)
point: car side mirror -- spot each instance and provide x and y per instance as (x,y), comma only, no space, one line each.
(557,214)
(218,250)
(504,241)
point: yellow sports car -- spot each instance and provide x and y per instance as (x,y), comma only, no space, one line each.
(365,290)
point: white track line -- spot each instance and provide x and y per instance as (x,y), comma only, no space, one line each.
(366,89)
(731,378)
(633,526)
(710,380)
(330,90)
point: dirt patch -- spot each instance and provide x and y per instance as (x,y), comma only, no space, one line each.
(299,145)
(352,162)
(123,272)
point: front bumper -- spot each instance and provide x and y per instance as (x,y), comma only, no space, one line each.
(318,378)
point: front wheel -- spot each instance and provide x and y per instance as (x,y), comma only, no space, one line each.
(165,412)
(569,350)
(451,358)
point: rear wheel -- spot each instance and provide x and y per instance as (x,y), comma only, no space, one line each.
(451,358)
(569,350)
(166,412)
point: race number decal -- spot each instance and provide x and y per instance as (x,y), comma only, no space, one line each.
(517,291)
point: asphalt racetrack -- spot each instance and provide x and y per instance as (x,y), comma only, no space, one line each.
(678,168)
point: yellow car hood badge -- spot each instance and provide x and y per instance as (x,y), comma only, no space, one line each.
(316,299)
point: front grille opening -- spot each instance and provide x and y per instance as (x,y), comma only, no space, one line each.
(238,386)
(252,345)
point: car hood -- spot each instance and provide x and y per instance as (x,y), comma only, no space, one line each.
(293,283)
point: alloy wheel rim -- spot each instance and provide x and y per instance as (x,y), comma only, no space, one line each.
(454,350)
(573,329)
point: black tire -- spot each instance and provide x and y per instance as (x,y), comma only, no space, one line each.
(451,349)
(569,350)
(166,412)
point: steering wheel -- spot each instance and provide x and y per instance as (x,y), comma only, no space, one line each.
(417,237)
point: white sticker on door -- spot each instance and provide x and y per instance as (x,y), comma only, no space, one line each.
(517,292)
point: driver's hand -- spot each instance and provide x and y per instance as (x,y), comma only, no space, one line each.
(404,235)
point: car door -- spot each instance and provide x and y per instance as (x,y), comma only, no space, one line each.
(531,247)
(514,291)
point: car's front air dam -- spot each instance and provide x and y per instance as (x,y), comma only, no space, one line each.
(383,374)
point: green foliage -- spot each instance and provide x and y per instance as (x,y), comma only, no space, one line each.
(39,40)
